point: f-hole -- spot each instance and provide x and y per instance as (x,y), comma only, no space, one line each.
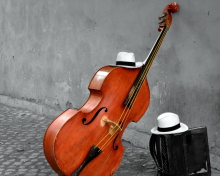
(96,114)
(116,147)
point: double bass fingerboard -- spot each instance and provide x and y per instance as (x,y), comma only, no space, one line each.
(145,68)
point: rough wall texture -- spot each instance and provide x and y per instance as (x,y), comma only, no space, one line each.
(50,50)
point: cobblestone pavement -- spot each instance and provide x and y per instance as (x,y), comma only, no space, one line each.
(21,150)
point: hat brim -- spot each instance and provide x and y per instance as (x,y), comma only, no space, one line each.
(182,129)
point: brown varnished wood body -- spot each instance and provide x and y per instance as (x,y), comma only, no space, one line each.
(67,140)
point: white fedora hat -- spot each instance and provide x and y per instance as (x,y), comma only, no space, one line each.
(127,60)
(169,123)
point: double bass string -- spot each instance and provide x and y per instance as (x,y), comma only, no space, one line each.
(143,76)
(134,94)
(131,100)
(138,87)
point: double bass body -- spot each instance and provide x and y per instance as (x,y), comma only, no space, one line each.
(70,136)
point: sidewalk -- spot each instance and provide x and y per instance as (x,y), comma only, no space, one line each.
(21,150)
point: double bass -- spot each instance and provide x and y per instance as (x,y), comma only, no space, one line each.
(87,141)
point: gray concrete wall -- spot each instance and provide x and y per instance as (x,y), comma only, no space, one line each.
(51,49)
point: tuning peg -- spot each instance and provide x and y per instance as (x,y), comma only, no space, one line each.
(163,20)
(164,15)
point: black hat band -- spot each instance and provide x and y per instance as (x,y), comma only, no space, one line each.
(169,129)
(125,63)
